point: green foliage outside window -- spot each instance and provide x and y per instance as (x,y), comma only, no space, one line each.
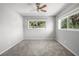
(71,22)
(64,23)
(37,24)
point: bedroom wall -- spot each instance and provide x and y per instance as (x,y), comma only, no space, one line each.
(11,31)
(68,38)
(39,34)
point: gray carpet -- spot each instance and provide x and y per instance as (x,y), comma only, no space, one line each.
(38,48)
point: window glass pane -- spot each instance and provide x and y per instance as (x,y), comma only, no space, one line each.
(64,23)
(37,24)
(74,21)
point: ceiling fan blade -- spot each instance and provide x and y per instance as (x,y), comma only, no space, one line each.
(43,10)
(43,6)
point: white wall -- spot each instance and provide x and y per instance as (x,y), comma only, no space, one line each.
(39,34)
(68,38)
(11,31)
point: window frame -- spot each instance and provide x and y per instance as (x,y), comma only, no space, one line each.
(37,21)
(68,29)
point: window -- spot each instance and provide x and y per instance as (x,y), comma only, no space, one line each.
(70,22)
(36,24)
(64,23)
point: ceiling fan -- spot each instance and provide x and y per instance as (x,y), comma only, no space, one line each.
(41,7)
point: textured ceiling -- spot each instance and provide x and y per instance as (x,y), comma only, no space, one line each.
(52,9)
(29,9)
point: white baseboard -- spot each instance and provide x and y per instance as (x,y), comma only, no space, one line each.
(10,47)
(67,48)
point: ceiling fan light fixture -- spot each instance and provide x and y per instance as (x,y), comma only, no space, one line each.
(37,3)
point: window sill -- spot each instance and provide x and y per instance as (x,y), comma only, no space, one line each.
(69,29)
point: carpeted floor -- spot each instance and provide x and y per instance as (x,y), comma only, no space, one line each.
(38,48)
